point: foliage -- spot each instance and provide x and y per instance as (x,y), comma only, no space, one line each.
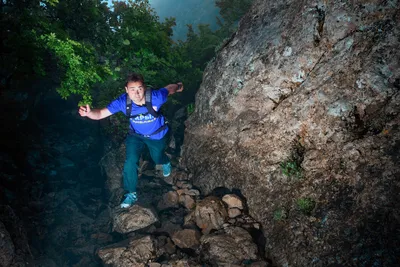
(79,64)
(84,21)
(190,108)
(280,214)
(305,205)
(21,54)
(85,45)
(291,168)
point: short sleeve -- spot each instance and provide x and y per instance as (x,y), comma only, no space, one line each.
(118,104)
(160,95)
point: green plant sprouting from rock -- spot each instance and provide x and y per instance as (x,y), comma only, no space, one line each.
(280,214)
(305,205)
(291,168)
(190,108)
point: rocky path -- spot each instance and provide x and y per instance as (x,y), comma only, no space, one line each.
(68,207)
(172,224)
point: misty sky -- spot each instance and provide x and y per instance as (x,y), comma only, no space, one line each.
(186,12)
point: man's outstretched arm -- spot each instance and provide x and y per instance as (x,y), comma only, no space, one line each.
(174,88)
(94,114)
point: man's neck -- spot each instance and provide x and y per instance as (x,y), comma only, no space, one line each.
(141,103)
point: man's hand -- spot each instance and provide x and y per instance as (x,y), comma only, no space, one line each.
(94,114)
(174,88)
(180,87)
(84,110)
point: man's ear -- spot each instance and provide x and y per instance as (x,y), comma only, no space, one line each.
(126,89)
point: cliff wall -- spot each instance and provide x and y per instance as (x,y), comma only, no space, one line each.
(300,112)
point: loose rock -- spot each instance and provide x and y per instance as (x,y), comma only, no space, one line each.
(210,214)
(229,246)
(187,238)
(233,201)
(134,252)
(132,219)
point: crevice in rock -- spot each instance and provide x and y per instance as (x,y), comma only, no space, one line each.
(319,25)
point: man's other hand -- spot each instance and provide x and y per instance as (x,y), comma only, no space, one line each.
(180,87)
(84,110)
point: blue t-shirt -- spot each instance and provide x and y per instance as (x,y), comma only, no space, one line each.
(144,125)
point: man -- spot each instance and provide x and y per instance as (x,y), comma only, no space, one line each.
(145,128)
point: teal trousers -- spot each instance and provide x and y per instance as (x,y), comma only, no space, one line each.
(134,147)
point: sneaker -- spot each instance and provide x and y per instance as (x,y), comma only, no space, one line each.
(130,199)
(166,169)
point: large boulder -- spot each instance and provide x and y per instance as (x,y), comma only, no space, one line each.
(132,252)
(133,218)
(233,245)
(300,112)
(187,238)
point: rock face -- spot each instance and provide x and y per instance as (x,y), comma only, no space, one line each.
(6,246)
(300,112)
(14,247)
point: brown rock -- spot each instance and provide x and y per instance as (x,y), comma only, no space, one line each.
(133,218)
(169,200)
(181,176)
(186,238)
(193,192)
(133,252)
(233,201)
(168,227)
(230,246)
(182,191)
(164,245)
(189,218)
(234,212)
(210,213)
(183,185)
(187,201)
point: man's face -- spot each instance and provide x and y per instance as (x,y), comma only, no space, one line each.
(135,91)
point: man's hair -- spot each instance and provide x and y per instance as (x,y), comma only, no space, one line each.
(135,77)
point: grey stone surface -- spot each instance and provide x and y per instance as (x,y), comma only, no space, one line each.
(316,84)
